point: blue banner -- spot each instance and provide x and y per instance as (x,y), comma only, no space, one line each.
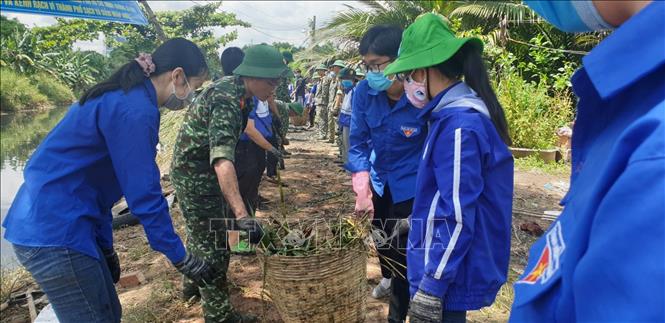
(118,11)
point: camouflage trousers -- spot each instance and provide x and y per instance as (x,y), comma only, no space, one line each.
(332,125)
(322,121)
(206,238)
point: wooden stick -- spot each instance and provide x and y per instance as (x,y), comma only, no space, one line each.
(31,305)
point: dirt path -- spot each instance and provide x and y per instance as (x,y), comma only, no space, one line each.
(316,185)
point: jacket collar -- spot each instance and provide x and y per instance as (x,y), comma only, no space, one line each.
(632,51)
(455,96)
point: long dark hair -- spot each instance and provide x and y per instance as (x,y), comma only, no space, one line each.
(173,53)
(469,63)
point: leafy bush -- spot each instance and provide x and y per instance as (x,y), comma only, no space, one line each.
(17,93)
(533,115)
(56,92)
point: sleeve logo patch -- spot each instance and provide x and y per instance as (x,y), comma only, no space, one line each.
(549,262)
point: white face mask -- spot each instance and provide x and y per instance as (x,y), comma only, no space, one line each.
(569,15)
(174,102)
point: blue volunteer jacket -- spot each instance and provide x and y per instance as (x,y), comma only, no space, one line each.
(345,112)
(97,153)
(459,242)
(603,260)
(262,124)
(395,136)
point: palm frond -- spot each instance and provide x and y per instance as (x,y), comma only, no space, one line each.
(483,11)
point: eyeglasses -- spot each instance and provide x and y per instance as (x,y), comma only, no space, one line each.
(404,75)
(374,67)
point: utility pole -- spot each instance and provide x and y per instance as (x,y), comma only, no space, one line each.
(313,32)
(161,36)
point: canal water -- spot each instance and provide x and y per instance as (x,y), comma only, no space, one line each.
(20,134)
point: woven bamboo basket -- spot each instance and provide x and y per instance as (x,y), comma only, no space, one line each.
(328,287)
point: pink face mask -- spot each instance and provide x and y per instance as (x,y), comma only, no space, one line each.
(416,92)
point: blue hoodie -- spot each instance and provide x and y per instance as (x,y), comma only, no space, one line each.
(459,243)
(603,260)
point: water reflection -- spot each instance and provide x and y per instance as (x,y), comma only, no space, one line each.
(20,134)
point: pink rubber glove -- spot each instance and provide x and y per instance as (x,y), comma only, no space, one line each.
(364,203)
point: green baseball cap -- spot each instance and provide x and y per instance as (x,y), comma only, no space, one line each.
(262,61)
(428,41)
(296,107)
(339,63)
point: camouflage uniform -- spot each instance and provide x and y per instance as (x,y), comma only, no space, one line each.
(282,91)
(322,97)
(282,94)
(210,131)
(332,98)
(338,128)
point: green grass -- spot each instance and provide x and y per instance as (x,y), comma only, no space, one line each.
(533,163)
(17,93)
(56,92)
(139,250)
(168,132)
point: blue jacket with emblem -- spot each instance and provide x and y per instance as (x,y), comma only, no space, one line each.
(459,242)
(603,260)
(394,136)
(98,152)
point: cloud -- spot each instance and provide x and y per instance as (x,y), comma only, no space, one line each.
(31,20)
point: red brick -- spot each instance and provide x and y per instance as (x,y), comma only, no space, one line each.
(131,280)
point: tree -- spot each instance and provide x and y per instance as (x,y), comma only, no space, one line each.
(508,27)
(9,26)
(195,23)
(287,47)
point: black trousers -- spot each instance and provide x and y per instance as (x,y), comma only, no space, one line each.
(271,164)
(392,254)
(250,163)
(312,115)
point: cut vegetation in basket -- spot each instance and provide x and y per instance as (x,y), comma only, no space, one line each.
(315,270)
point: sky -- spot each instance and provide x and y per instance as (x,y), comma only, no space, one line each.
(272,21)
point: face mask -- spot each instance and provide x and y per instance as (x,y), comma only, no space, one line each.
(570,16)
(347,84)
(378,81)
(416,92)
(174,102)
(332,74)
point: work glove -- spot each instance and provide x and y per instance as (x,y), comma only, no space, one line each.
(364,205)
(113,263)
(197,269)
(425,308)
(275,152)
(252,227)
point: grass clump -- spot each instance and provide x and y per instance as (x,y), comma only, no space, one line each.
(533,114)
(12,280)
(56,92)
(534,164)
(17,93)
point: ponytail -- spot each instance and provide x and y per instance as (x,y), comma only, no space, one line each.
(173,53)
(468,62)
